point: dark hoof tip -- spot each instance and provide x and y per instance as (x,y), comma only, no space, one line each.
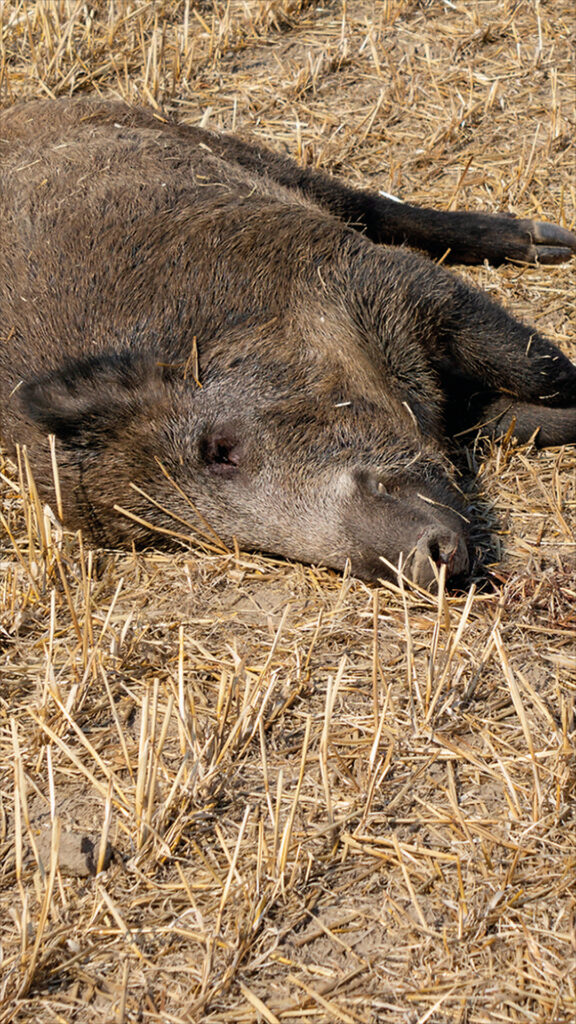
(552,254)
(549,242)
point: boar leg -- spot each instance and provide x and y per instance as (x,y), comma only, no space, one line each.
(460,236)
(500,372)
(491,368)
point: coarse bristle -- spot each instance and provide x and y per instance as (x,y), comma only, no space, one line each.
(239,790)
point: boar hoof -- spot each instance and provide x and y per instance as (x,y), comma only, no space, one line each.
(549,243)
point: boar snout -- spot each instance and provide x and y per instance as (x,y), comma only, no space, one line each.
(412,523)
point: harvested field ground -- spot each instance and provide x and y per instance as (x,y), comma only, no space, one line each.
(310,799)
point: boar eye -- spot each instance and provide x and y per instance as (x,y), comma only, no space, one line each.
(222,453)
(371,482)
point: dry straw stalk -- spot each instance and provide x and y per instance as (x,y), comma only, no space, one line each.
(322,803)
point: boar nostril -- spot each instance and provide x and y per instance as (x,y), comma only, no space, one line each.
(440,546)
(434,551)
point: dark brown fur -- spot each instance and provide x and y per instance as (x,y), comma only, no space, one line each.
(136,254)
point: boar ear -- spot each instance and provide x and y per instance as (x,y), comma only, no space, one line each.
(85,401)
(222,450)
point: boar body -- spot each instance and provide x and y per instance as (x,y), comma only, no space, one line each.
(216,337)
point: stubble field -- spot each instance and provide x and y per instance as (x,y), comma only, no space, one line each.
(279,794)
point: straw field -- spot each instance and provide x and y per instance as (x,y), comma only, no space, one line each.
(237,790)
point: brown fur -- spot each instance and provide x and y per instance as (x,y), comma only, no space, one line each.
(136,253)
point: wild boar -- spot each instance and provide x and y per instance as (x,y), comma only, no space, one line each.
(218,336)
